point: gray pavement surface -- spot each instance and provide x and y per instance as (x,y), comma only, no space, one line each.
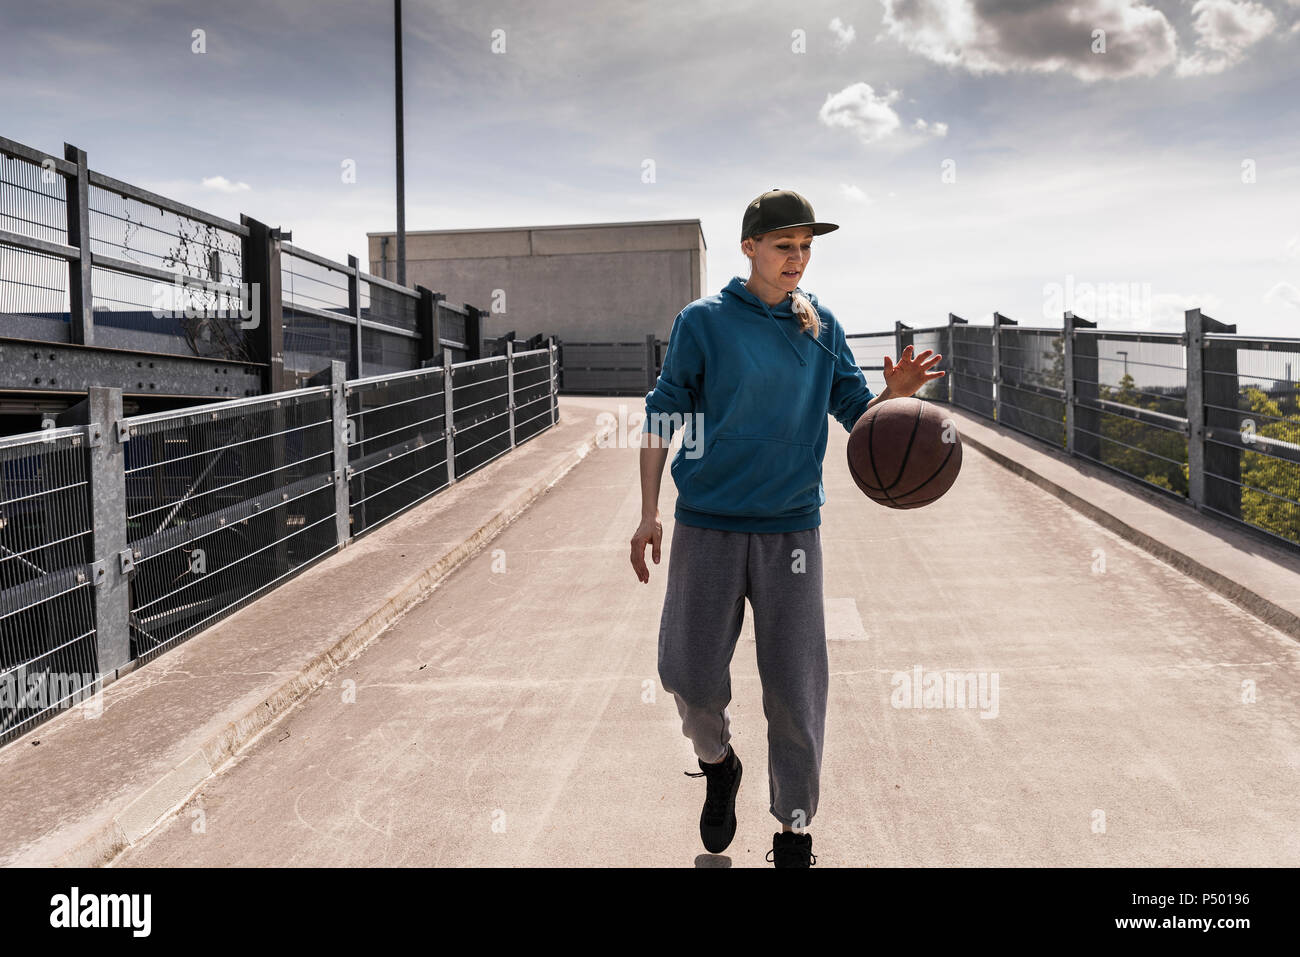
(513,716)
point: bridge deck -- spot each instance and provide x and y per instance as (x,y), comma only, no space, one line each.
(518,698)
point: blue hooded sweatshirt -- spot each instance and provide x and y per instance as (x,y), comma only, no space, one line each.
(753,394)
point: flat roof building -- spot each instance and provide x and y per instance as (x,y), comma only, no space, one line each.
(585,282)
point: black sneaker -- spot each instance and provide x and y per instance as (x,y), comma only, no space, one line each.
(718,819)
(791,850)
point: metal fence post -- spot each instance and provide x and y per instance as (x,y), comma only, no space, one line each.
(426,323)
(261,254)
(551,385)
(335,376)
(80,293)
(473,331)
(113,560)
(902,338)
(449,425)
(953,319)
(354,310)
(1071,322)
(510,386)
(999,321)
(1085,383)
(1219,390)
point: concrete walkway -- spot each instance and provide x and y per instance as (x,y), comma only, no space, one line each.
(514,717)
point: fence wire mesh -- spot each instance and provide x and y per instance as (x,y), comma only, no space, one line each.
(1031,382)
(397,445)
(1252,420)
(223,502)
(33,286)
(144,313)
(311,342)
(536,394)
(48,656)
(1131,405)
(972,368)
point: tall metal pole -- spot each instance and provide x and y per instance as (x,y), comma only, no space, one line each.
(401,149)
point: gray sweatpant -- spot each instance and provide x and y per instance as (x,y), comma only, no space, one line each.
(710,574)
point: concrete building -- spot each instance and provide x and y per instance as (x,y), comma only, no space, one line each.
(589,282)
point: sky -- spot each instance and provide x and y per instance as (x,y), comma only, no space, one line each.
(1128,160)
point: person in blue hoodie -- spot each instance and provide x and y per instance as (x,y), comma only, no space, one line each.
(749,377)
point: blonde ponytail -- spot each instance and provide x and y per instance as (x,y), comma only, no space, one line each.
(804,310)
(809,321)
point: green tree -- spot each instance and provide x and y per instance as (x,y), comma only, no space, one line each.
(1262,473)
(1146,441)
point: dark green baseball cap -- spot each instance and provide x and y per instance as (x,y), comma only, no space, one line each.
(780,209)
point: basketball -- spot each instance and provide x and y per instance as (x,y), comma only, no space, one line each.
(904,453)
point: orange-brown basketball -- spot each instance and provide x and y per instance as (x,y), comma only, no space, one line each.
(904,453)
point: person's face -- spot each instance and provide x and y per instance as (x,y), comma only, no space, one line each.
(781,256)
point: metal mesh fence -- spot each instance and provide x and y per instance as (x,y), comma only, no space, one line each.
(311,342)
(868,349)
(536,401)
(33,286)
(936,340)
(1130,405)
(452,328)
(1031,382)
(384,352)
(134,312)
(47,620)
(972,368)
(171,279)
(127,228)
(1252,421)
(379,303)
(397,445)
(480,409)
(223,502)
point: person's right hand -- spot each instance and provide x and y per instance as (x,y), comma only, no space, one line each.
(650,532)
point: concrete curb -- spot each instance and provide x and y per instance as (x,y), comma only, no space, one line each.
(141,815)
(1241,596)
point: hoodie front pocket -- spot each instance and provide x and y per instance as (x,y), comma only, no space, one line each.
(753,475)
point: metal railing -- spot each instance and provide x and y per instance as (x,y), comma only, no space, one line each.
(132,288)
(121,538)
(47,584)
(1204,416)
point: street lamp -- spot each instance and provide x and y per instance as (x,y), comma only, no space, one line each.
(401,168)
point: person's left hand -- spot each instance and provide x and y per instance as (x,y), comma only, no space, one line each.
(911,373)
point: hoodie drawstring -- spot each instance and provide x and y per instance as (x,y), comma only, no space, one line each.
(754,299)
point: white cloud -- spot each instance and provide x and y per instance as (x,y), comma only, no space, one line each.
(855,194)
(858,108)
(1284,292)
(1293,244)
(222,185)
(844,33)
(1225,30)
(995,36)
(871,115)
(937,129)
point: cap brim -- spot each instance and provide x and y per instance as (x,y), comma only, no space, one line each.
(817,228)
